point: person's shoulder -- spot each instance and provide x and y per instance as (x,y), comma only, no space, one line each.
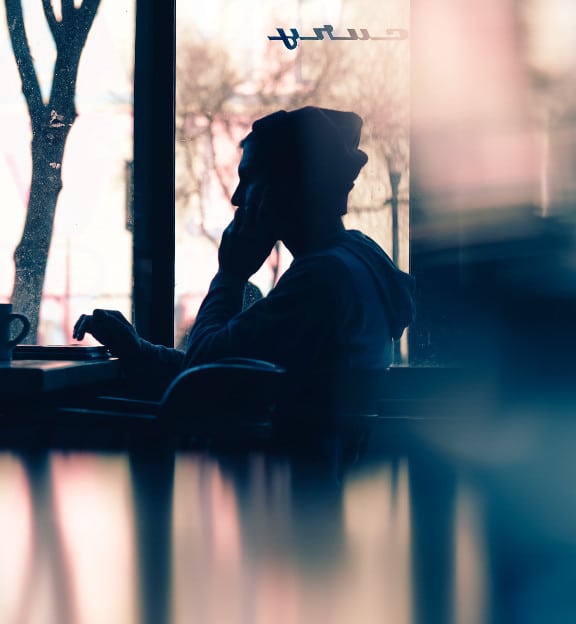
(360,239)
(320,273)
(336,258)
(324,262)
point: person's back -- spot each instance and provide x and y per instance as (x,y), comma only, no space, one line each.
(380,301)
(335,308)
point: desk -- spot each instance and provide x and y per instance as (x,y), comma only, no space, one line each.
(456,522)
(40,376)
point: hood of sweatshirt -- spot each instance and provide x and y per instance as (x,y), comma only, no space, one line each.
(395,287)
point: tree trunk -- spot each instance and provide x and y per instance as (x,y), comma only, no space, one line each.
(51,124)
(31,254)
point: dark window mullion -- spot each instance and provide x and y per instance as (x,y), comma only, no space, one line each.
(154,105)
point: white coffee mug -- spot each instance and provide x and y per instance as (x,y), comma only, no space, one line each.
(6,318)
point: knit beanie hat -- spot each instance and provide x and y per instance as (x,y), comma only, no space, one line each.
(313,149)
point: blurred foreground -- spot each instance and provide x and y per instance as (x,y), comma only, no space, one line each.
(444,518)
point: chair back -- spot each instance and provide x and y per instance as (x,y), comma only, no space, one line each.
(223,396)
(236,395)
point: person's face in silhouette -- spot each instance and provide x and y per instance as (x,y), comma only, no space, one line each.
(251,182)
(276,201)
(258,193)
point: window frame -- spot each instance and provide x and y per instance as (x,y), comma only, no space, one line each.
(154,179)
(154,171)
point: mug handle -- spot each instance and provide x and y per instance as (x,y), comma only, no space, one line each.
(25,328)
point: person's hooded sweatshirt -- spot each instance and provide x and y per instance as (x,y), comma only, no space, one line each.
(333,311)
(338,308)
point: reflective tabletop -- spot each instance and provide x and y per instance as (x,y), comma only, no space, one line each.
(437,520)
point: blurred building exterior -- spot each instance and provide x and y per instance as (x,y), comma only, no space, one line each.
(492,196)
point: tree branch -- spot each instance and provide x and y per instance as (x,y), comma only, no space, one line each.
(87,12)
(53,23)
(23,56)
(68,11)
(76,24)
(221,181)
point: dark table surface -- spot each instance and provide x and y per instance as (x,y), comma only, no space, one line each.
(40,376)
(453,517)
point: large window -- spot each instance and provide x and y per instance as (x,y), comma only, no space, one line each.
(90,255)
(485,96)
(229,73)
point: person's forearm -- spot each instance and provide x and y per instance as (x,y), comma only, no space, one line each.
(152,369)
(222,303)
(160,357)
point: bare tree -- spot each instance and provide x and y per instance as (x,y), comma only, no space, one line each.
(206,84)
(51,122)
(215,104)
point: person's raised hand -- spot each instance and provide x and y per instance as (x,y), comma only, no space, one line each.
(248,240)
(112,329)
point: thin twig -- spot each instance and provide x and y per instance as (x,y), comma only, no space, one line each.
(19,40)
(53,23)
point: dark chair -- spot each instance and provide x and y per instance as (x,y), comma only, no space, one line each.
(244,400)
(225,399)
(255,400)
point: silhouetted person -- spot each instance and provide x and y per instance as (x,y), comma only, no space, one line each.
(341,302)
